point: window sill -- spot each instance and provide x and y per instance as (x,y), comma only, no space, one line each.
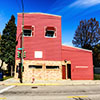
(50,37)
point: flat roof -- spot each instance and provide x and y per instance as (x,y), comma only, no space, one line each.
(77,48)
(40,13)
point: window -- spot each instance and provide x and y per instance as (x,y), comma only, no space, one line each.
(28,31)
(52,67)
(35,66)
(50,32)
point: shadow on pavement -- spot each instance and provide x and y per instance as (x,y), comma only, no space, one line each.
(81,98)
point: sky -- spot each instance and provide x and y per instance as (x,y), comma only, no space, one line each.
(72,12)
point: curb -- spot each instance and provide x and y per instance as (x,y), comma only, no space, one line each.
(32,84)
(49,84)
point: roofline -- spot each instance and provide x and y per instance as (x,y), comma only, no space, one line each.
(77,48)
(40,13)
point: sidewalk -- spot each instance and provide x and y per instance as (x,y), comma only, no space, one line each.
(13,81)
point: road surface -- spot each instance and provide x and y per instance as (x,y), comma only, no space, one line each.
(87,92)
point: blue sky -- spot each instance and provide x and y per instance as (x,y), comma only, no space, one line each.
(72,12)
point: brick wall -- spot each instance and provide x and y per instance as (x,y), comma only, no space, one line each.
(40,74)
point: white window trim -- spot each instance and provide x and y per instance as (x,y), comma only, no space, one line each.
(33,31)
(29,29)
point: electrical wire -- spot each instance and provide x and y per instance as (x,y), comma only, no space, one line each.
(18,5)
(22,5)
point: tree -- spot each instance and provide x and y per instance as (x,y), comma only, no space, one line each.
(8,43)
(0,36)
(87,34)
(96,55)
(0,51)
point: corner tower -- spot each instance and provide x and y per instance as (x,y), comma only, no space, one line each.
(42,44)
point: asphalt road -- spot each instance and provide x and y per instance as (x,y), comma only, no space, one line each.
(88,92)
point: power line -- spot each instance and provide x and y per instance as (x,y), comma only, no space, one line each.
(22,6)
(18,5)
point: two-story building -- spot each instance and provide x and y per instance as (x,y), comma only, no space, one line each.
(46,57)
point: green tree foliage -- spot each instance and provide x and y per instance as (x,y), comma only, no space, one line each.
(0,36)
(87,34)
(96,55)
(8,43)
(0,50)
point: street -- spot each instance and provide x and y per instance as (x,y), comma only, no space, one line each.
(87,92)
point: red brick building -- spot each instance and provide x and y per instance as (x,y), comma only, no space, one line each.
(46,57)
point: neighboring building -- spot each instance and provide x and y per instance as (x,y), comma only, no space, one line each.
(4,67)
(46,57)
(96,70)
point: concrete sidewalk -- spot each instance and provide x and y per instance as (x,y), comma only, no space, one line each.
(13,81)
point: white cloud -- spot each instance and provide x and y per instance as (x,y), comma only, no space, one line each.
(85,3)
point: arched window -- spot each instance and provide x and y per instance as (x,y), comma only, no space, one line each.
(28,31)
(50,32)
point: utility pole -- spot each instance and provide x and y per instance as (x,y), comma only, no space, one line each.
(21,60)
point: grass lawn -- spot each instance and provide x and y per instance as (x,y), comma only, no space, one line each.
(7,77)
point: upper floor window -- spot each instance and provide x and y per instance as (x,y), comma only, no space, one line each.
(28,31)
(50,32)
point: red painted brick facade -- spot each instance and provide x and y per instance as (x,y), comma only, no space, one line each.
(51,47)
(81,62)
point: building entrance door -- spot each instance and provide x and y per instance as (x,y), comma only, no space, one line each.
(69,71)
(63,72)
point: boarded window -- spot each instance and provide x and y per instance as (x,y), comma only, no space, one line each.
(35,66)
(38,54)
(50,32)
(52,67)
